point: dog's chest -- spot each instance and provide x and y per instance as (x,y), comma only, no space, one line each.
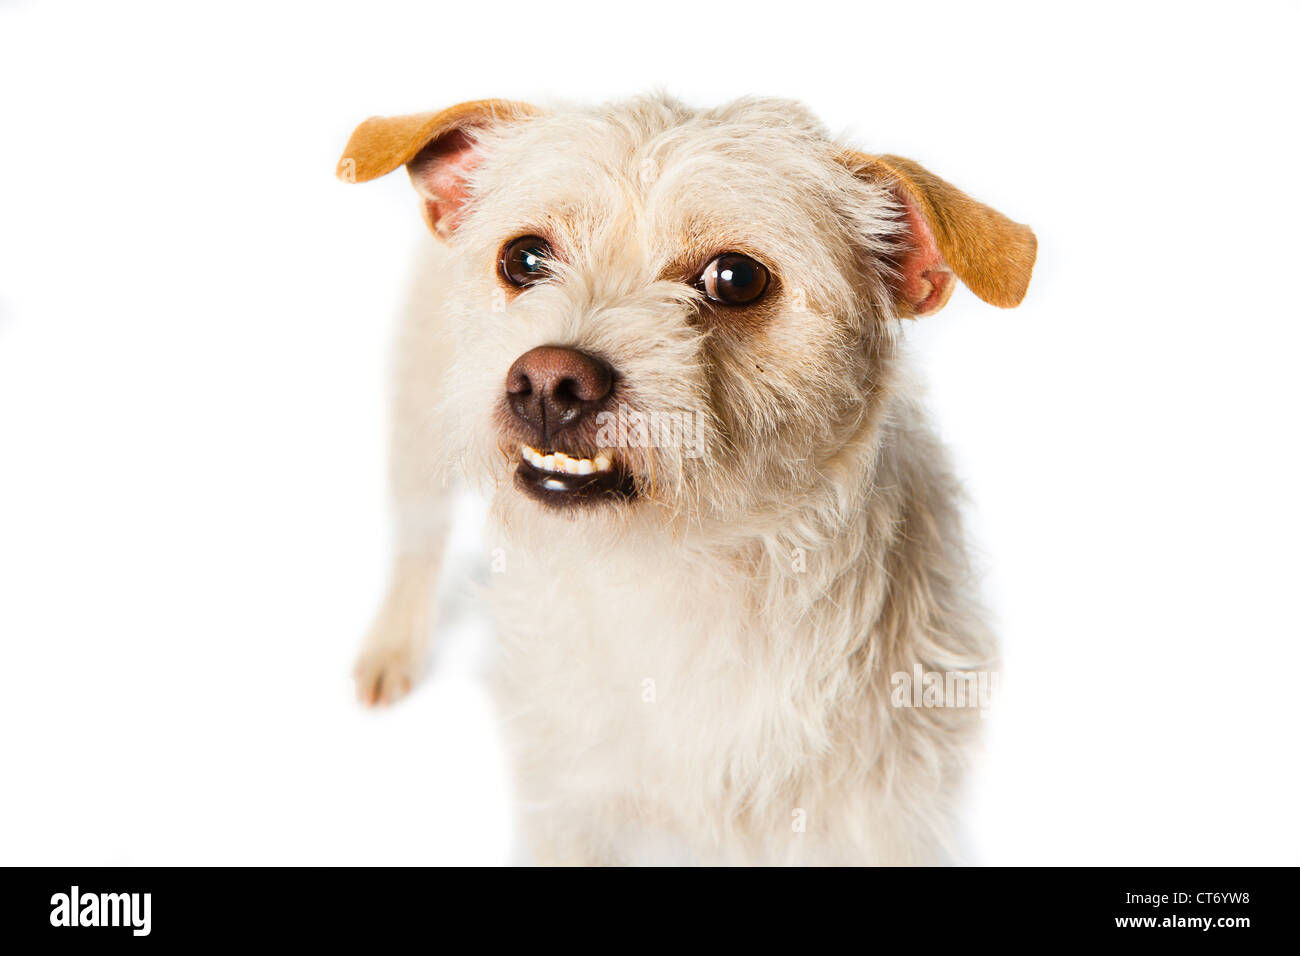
(650,672)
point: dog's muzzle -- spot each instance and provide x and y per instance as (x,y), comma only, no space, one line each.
(556,394)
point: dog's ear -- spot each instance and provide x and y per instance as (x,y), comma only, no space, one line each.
(950,233)
(438,150)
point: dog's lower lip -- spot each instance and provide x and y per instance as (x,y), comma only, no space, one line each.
(559,489)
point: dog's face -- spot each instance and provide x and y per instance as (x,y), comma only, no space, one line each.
(675,311)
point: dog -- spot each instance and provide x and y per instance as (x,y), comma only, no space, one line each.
(668,339)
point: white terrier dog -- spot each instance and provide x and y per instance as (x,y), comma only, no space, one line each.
(668,337)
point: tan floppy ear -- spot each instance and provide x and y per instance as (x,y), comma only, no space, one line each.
(437,148)
(950,233)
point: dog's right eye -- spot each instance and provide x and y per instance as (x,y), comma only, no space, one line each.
(524,261)
(733,279)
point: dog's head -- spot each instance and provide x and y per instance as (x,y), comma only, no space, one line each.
(660,309)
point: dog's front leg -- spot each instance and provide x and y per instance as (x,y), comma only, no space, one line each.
(397,646)
(396,649)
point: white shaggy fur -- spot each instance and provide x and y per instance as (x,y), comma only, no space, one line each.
(685,678)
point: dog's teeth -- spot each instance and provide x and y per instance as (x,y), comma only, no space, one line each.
(562,464)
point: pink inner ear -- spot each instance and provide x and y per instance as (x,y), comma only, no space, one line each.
(927,281)
(439,173)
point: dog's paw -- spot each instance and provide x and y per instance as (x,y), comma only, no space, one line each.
(385,674)
(396,649)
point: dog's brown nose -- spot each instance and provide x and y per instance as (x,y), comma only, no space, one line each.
(552,388)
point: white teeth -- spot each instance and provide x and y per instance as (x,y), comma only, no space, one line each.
(561,464)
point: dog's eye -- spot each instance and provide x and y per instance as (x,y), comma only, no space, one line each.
(523,260)
(733,279)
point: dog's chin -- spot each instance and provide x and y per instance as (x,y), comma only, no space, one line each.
(560,481)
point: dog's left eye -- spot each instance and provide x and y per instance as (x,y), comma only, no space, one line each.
(523,261)
(733,279)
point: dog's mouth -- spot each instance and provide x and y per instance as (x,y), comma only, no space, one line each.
(558,479)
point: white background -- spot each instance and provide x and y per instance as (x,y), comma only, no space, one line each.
(194,325)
